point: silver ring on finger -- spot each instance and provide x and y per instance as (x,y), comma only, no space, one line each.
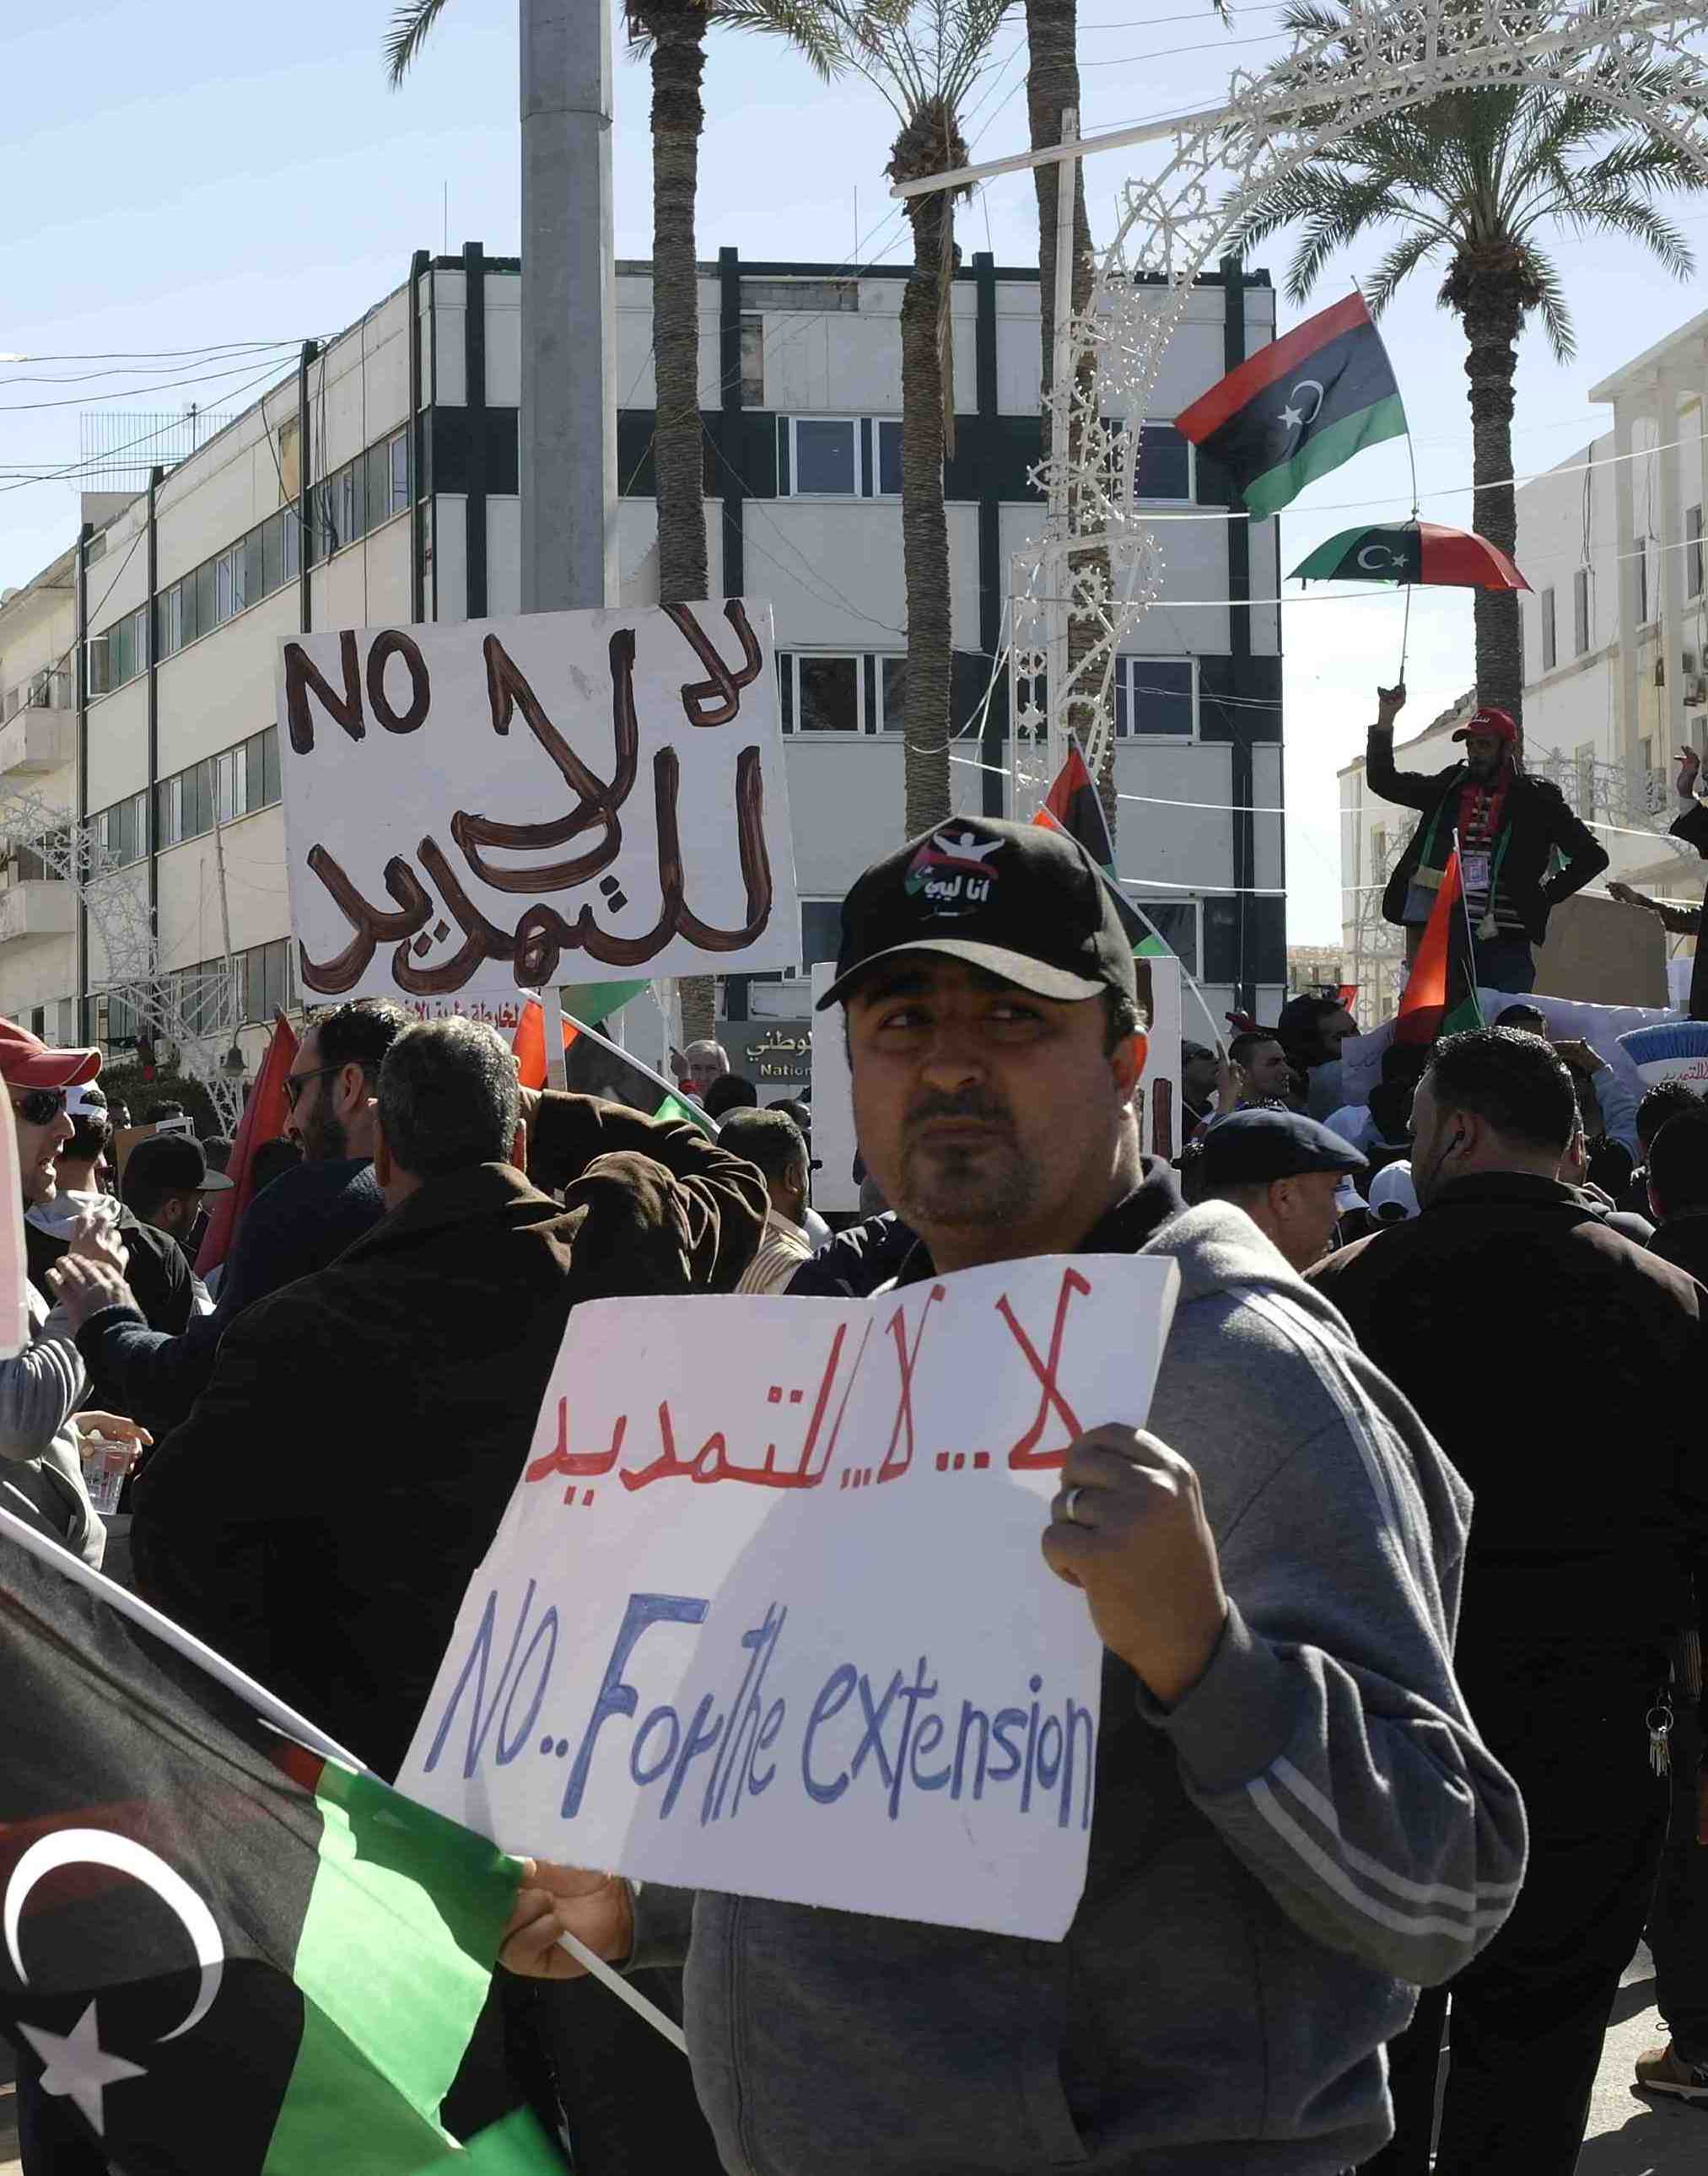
(1070,1505)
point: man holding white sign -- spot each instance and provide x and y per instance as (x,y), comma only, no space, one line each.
(1293,1814)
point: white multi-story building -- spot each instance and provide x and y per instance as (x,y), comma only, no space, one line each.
(379,485)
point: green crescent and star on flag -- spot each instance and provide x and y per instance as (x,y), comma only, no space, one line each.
(1299,407)
(223,1953)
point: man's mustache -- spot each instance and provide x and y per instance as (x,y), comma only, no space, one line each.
(970,1103)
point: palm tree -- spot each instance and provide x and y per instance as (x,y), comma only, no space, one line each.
(673,34)
(922,57)
(1474,179)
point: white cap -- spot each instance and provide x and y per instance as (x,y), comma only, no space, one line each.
(1393,1196)
(88,1102)
(1348,1197)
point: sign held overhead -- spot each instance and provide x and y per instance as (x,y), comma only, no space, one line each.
(534,800)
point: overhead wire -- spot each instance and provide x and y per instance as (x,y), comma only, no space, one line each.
(239,357)
(90,463)
(133,392)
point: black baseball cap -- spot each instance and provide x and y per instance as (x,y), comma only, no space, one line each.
(1019,900)
(1250,1148)
(173,1163)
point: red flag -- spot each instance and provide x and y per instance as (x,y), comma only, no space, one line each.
(1440,994)
(1071,805)
(262,1120)
(529,1044)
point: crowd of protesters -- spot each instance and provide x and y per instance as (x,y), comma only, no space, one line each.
(1401,1609)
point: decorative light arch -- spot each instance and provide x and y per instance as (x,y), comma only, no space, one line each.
(1632,56)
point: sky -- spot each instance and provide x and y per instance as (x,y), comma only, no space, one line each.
(182,175)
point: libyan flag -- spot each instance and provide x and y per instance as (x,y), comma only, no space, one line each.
(223,1955)
(593,1065)
(1299,407)
(1441,992)
(1073,805)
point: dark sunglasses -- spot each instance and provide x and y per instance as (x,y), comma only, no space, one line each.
(40,1106)
(295,1083)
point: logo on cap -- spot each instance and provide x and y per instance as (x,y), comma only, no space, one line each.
(952,874)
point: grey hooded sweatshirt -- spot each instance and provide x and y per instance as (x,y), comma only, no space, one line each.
(1275,1864)
(40,1465)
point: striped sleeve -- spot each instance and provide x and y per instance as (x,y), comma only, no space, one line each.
(1328,1740)
(777,1261)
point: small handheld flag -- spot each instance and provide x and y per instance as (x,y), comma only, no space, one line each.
(1072,805)
(262,1120)
(1299,407)
(1441,992)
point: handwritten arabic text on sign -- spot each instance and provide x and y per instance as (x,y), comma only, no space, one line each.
(767,1612)
(536,800)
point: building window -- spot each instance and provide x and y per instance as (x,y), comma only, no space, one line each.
(1156,698)
(233,784)
(1165,463)
(1549,648)
(1692,551)
(1178,922)
(827,694)
(865,694)
(121,833)
(892,693)
(1581,612)
(888,430)
(267,982)
(399,456)
(823,457)
(753,359)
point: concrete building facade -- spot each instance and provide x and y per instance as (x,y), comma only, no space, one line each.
(378,484)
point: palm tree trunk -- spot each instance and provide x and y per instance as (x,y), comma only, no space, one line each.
(678,62)
(1052,85)
(1493,316)
(924,523)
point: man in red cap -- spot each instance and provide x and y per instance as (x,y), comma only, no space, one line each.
(1508,827)
(41,1462)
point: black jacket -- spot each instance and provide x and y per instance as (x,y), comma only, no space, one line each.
(304,1220)
(1683,1242)
(856,1261)
(1559,1366)
(1536,813)
(157,1270)
(318,1515)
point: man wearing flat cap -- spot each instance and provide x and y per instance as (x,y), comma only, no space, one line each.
(1286,1172)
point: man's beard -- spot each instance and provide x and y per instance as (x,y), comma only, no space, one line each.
(980,1182)
(324,1140)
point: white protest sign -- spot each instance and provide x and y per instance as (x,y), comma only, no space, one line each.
(834,1144)
(563,797)
(767,1612)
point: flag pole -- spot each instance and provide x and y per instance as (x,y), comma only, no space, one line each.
(1470,934)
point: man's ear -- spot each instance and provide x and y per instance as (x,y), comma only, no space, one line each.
(1127,1065)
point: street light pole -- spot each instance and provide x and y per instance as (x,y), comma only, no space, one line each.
(569,416)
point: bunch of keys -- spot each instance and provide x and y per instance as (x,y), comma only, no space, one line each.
(1660,1724)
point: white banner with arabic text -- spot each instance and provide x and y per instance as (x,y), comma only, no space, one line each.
(559,797)
(768,1612)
